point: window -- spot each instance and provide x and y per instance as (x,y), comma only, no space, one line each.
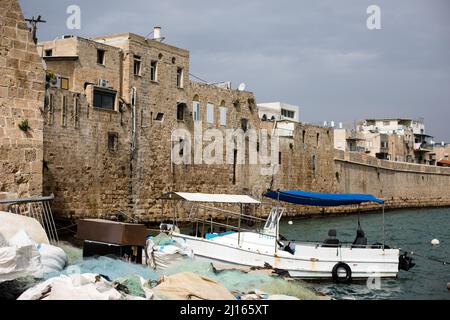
(210,113)
(223,116)
(288,113)
(65,83)
(280,158)
(245,125)
(180,77)
(137,65)
(154,71)
(196,111)
(181,110)
(101,56)
(48,53)
(159,117)
(76,116)
(313,163)
(181,152)
(64,111)
(104,99)
(113,141)
(264,117)
(51,112)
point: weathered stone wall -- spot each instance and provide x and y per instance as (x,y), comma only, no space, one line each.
(87,177)
(400,184)
(21,98)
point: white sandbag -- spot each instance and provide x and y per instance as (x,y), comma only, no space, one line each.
(19,262)
(53,259)
(163,256)
(75,287)
(11,223)
(20,239)
(3,242)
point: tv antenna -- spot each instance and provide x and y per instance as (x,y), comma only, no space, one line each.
(33,22)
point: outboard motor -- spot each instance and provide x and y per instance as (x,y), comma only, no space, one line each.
(405,262)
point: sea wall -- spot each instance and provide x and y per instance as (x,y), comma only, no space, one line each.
(399,184)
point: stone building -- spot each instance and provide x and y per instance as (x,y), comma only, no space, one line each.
(21,100)
(113,106)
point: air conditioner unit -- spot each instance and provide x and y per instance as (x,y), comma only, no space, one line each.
(103,83)
(56,83)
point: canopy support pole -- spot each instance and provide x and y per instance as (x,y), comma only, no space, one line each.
(239,227)
(384,234)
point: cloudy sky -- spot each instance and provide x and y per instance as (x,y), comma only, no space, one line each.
(318,54)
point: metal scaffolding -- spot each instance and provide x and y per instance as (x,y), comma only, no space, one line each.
(37,208)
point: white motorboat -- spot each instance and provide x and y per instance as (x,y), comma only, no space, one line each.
(264,246)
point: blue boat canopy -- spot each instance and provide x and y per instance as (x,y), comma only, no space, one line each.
(320,199)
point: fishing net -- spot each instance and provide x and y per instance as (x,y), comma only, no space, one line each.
(239,282)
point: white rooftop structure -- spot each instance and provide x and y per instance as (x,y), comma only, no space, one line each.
(279,111)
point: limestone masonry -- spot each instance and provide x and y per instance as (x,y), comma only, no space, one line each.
(101,121)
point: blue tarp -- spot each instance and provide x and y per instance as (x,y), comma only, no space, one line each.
(321,199)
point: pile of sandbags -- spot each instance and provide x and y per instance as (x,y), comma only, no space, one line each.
(82,287)
(25,249)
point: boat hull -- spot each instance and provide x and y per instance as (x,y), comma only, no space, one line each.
(309,261)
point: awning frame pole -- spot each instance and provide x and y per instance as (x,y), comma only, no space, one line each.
(384,231)
(239,227)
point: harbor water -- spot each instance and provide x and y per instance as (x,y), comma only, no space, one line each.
(410,230)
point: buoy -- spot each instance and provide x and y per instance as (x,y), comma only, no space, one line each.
(435,242)
(291,223)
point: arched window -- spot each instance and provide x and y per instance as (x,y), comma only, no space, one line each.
(223,113)
(196,111)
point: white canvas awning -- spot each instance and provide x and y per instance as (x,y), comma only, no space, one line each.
(211,198)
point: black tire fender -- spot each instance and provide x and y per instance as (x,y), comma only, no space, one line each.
(348,273)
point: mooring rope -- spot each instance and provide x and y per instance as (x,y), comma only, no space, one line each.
(413,253)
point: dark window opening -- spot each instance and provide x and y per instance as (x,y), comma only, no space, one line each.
(287,113)
(264,117)
(235,154)
(181,111)
(303,136)
(181,153)
(313,164)
(159,117)
(137,65)
(318,136)
(280,158)
(154,71)
(101,56)
(48,53)
(245,125)
(113,141)
(64,111)
(104,100)
(76,112)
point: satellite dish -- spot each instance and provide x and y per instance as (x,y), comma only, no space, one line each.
(242,87)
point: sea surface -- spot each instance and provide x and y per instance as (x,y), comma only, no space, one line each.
(410,230)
